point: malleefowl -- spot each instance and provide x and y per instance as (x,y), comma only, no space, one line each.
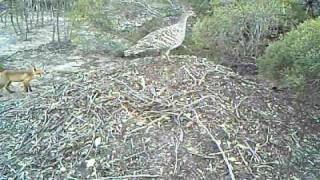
(164,39)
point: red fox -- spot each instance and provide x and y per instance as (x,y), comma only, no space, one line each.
(9,76)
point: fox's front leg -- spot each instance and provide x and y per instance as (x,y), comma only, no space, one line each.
(30,90)
(26,86)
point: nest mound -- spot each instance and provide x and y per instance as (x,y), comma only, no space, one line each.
(185,118)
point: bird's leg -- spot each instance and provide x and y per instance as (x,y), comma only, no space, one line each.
(161,55)
(167,54)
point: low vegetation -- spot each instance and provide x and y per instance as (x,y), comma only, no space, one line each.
(294,60)
(243,28)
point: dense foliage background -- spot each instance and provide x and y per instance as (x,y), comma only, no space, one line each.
(295,58)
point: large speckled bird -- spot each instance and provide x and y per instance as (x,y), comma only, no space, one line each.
(164,39)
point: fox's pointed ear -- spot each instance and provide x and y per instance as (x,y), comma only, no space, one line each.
(33,67)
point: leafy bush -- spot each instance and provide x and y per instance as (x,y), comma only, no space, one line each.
(295,59)
(241,28)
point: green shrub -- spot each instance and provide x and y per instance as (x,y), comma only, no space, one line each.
(241,28)
(295,59)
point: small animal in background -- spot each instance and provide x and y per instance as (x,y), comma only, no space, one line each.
(24,76)
(166,38)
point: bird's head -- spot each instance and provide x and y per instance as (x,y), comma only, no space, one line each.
(189,13)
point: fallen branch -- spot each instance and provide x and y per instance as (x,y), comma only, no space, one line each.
(133,176)
(230,168)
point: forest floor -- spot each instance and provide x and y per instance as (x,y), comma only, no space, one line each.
(92,115)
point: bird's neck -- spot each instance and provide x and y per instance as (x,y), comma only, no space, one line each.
(183,20)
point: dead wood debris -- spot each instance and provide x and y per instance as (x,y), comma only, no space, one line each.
(150,118)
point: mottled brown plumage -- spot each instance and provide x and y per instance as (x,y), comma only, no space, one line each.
(164,39)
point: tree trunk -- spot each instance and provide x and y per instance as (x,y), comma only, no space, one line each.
(26,19)
(42,13)
(11,17)
(53,24)
(57,21)
(17,18)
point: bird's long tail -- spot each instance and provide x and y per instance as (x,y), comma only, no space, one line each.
(128,52)
(133,51)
